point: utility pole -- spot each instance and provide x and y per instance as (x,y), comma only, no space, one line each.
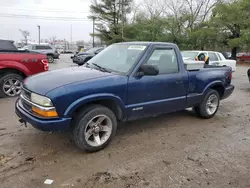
(123,16)
(94,32)
(71,33)
(39,39)
(122,20)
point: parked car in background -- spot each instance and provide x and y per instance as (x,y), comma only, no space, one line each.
(125,82)
(83,57)
(243,57)
(16,65)
(215,58)
(48,50)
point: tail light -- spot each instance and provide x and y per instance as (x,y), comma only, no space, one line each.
(231,75)
(45,64)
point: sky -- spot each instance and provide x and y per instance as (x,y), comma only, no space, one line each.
(49,14)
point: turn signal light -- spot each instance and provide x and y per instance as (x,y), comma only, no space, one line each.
(231,76)
(44,113)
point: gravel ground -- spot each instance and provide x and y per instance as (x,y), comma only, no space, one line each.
(175,150)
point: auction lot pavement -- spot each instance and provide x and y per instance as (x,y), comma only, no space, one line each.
(170,151)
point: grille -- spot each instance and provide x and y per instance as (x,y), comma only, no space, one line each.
(26,94)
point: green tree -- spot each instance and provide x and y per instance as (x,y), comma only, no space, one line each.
(231,21)
(110,16)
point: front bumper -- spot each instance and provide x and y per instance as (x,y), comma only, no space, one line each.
(57,124)
(228,91)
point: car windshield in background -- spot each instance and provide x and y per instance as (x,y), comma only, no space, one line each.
(189,54)
(118,57)
(92,50)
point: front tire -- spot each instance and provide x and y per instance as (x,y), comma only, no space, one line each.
(93,128)
(209,106)
(10,85)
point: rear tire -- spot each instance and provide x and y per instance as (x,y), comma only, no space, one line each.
(50,58)
(209,106)
(10,85)
(93,128)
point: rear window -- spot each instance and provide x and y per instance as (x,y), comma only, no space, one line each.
(7,45)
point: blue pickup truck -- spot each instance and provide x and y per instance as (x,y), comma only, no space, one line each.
(125,82)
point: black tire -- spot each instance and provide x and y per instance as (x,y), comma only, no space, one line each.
(80,122)
(201,110)
(248,73)
(4,78)
(50,58)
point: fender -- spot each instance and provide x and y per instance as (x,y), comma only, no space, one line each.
(15,65)
(214,83)
(91,98)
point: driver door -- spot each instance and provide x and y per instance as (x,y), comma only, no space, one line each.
(163,93)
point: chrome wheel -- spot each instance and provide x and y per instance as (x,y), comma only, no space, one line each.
(212,104)
(98,130)
(12,87)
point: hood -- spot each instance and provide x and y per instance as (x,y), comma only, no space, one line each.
(44,82)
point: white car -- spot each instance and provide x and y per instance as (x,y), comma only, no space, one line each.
(215,58)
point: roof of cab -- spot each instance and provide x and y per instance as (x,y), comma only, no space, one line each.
(148,43)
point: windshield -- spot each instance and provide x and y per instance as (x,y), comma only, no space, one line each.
(118,57)
(92,50)
(189,54)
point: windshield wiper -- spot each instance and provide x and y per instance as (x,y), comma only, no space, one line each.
(101,68)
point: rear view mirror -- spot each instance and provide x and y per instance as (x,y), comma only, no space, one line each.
(148,70)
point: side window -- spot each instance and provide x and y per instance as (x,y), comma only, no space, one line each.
(221,56)
(212,56)
(39,48)
(47,47)
(165,60)
(218,56)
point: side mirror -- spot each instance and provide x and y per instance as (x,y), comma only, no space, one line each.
(148,70)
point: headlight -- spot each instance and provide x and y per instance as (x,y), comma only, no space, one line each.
(41,100)
(44,106)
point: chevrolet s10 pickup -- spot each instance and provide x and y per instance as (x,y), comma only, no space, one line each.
(125,82)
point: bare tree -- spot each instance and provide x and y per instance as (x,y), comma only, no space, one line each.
(194,11)
(25,34)
(154,8)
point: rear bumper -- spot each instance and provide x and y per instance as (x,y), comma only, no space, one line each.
(58,124)
(56,56)
(228,91)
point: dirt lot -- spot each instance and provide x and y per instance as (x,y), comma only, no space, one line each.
(176,150)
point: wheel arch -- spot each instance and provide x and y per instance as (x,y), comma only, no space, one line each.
(218,86)
(112,102)
(3,71)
